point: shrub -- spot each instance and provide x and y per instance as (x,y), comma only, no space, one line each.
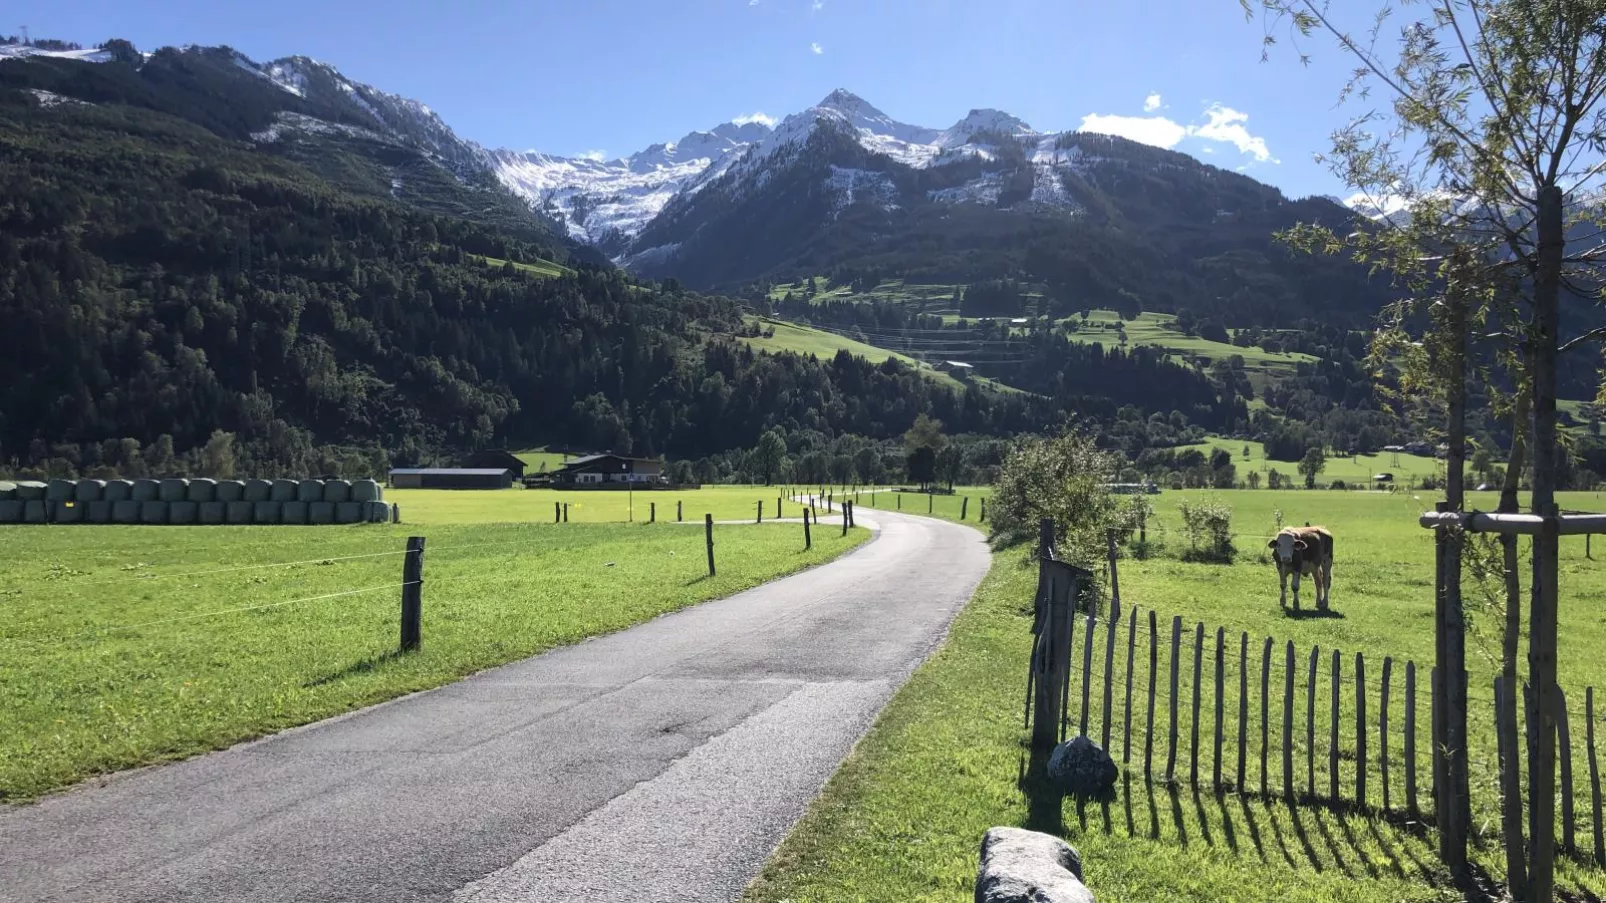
(1337,484)
(1062,478)
(1208,524)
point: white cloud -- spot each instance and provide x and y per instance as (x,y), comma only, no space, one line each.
(816,6)
(816,48)
(760,118)
(752,2)
(596,156)
(1151,103)
(1222,124)
(1207,150)
(1227,124)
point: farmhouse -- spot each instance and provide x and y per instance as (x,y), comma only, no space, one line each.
(451,478)
(593,470)
(495,458)
(959,369)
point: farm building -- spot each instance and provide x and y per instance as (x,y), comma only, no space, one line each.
(959,369)
(451,478)
(600,469)
(495,458)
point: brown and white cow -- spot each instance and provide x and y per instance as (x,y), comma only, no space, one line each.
(1304,551)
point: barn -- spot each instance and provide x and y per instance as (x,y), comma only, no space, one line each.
(451,478)
(495,458)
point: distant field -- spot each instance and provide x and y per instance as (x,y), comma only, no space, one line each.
(1359,469)
(539,268)
(534,506)
(934,298)
(824,344)
(123,646)
(1161,331)
(533,458)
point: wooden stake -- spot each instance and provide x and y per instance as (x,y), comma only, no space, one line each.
(1564,749)
(708,530)
(1360,729)
(1332,741)
(412,598)
(1310,724)
(1131,654)
(1087,669)
(1243,706)
(1265,712)
(1510,802)
(1113,622)
(1288,721)
(1148,730)
(1221,663)
(1383,728)
(1410,742)
(1198,687)
(1594,775)
(1176,646)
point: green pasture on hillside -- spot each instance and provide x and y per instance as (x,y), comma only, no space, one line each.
(122,646)
(1408,469)
(538,268)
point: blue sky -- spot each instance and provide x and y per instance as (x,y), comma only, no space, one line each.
(613,76)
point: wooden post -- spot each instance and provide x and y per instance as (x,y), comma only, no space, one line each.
(708,530)
(1310,724)
(1131,655)
(1198,687)
(1148,733)
(1510,802)
(1383,728)
(1087,670)
(1113,622)
(929,497)
(778,508)
(652,512)
(964,507)
(1288,721)
(1564,749)
(1410,742)
(1434,758)
(395,513)
(760,512)
(1243,705)
(412,598)
(1265,711)
(1360,730)
(1176,652)
(565,512)
(808,538)
(900,501)
(984,509)
(1594,774)
(1332,739)
(557,512)
(1115,577)
(1069,605)
(1221,668)
(679,511)
(845,505)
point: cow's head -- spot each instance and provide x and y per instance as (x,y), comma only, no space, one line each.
(1286,545)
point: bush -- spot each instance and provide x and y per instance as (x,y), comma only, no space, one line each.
(1337,484)
(1208,524)
(1061,478)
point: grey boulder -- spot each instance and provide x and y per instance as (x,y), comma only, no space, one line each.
(1021,866)
(1082,768)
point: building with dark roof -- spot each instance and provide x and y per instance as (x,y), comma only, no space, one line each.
(494,458)
(451,478)
(597,470)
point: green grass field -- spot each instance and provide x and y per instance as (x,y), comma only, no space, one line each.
(1407,469)
(535,506)
(124,646)
(539,268)
(903,817)
(533,458)
(1161,331)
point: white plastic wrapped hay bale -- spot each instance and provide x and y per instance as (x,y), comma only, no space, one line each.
(8,491)
(258,490)
(185,512)
(238,512)
(366,491)
(202,489)
(99,512)
(89,491)
(378,512)
(173,490)
(68,512)
(154,512)
(284,491)
(230,491)
(309,491)
(30,490)
(11,511)
(118,490)
(293,512)
(348,512)
(126,511)
(34,511)
(265,512)
(213,512)
(146,491)
(60,491)
(337,491)
(321,513)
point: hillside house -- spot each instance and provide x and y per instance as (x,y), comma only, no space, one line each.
(598,470)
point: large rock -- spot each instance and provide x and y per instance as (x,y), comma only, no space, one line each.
(1082,768)
(1021,866)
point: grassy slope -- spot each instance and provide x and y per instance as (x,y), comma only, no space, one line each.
(1359,469)
(825,345)
(1160,330)
(902,818)
(533,458)
(539,268)
(81,699)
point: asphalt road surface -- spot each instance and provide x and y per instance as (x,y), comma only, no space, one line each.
(661,763)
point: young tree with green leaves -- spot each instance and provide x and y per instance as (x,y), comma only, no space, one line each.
(1311,466)
(768,456)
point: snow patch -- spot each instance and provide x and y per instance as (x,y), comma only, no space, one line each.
(48,99)
(311,125)
(853,186)
(984,190)
(24,51)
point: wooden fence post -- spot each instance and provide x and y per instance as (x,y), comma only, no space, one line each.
(565,512)
(1288,721)
(808,538)
(1131,655)
(929,497)
(1087,669)
(964,507)
(1332,740)
(679,511)
(1115,576)
(845,505)
(412,598)
(1383,728)
(708,530)
(1360,729)
(1176,651)
(1594,774)
(1310,723)
(557,512)
(760,512)
(1243,706)
(1510,803)
(1564,748)
(1069,604)
(1148,732)
(652,516)
(395,513)
(1112,622)
(984,509)
(1265,711)
(1198,688)
(1410,742)
(1221,667)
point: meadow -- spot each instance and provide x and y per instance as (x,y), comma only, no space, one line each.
(535,506)
(1408,469)
(902,818)
(124,646)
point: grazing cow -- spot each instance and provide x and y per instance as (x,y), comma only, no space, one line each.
(1304,550)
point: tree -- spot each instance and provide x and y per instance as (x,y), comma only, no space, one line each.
(922,465)
(1491,143)
(1482,461)
(767,457)
(926,433)
(121,51)
(1253,479)
(1314,462)
(217,456)
(950,464)
(1061,478)
(867,464)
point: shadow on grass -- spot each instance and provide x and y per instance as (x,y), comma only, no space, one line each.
(352,670)
(1312,614)
(696,580)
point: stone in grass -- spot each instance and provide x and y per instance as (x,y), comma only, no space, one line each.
(1081,767)
(1021,866)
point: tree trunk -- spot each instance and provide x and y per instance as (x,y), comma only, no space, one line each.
(1542,608)
(1453,667)
(1511,776)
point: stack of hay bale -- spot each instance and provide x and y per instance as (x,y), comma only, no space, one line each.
(193,501)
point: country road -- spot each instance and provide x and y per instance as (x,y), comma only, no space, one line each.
(660,763)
